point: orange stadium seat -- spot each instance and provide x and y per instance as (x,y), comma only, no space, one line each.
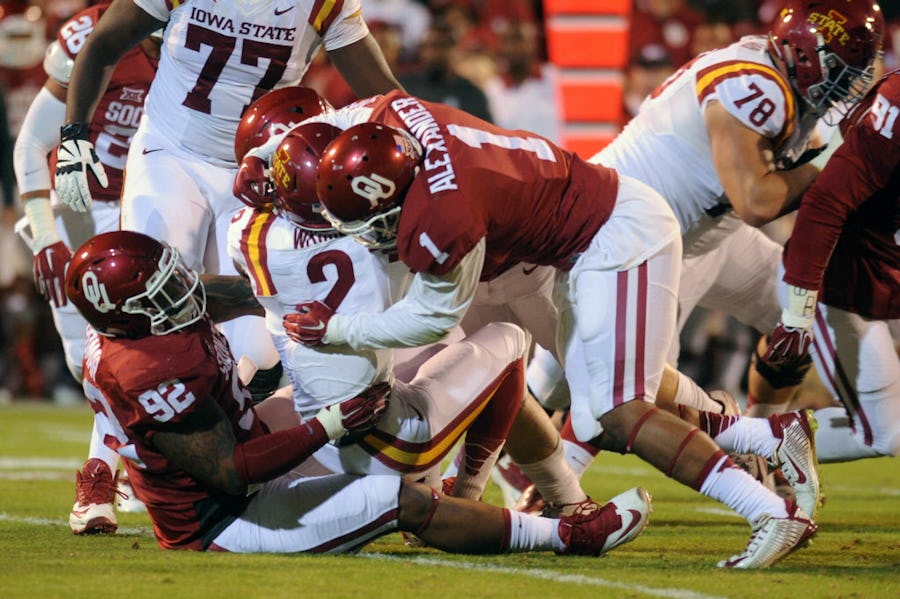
(585,7)
(583,44)
(591,98)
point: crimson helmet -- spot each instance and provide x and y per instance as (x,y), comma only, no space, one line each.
(362,181)
(275,113)
(294,174)
(828,48)
(22,35)
(127,284)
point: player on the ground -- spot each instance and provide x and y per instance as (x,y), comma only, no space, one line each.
(218,57)
(841,283)
(418,185)
(293,255)
(111,129)
(163,381)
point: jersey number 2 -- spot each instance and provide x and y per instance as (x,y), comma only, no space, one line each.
(342,264)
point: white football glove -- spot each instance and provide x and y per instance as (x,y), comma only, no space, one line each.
(74,157)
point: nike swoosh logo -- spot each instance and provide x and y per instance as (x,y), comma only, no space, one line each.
(278,12)
(527,271)
(317,327)
(635,519)
(79,513)
(801,478)
(146,151)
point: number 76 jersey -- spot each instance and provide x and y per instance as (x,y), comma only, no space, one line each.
(220,55)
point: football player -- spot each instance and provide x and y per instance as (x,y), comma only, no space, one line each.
(841,283)
(295,258)
(218,56)
(163,380)
(51,235)
(727,142)
(459,200)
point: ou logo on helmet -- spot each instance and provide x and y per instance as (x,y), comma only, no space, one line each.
(95,292)
(373,187)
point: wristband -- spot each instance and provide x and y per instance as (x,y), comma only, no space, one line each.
(801,308)
(76,130)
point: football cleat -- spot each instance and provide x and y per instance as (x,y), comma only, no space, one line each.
(795,456)
(512,482)
(773,539)
(757,467)
(95,491)
(126,500)
(596,530)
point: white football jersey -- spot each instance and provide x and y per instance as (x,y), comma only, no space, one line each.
(287,266)
(666,145)
(218,56)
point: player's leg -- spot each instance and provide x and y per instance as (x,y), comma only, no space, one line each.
(475,386)
(858,364)
(464,526)
(625,319)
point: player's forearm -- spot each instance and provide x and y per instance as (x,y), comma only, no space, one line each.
(263,458)
(772,195)
(230,296)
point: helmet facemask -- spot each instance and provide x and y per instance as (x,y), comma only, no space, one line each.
(376,233)
(841,85)
(170,301)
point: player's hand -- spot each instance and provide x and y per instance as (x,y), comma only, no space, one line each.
(309,323)
(50,272)
(251,184)
(74,158)
(788,346)
(356,415)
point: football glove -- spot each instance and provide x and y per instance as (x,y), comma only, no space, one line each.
(789,342)
(356,415)
(74,157)
(50,272)
(309,323)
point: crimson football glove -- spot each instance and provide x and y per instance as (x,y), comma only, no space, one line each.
(309,323)
(788,346)
(356,415)
(251,185)
(50,272)
(74,157)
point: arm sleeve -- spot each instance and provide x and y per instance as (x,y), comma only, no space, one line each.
(426,314)
(862,165)
(263,458)
(39,135)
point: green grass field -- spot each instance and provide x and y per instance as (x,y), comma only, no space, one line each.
(856,554)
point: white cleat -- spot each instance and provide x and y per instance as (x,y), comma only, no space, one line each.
(773,539)
(796,457)
(507,475)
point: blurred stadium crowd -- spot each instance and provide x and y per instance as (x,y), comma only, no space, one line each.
(485,56)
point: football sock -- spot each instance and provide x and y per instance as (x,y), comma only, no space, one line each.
(533,533)
(731,485)
(553,477)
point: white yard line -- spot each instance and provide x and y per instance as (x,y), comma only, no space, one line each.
(559,577)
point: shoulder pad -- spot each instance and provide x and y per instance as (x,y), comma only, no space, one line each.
(57,64)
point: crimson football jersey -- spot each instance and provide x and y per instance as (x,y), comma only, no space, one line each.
(119,111)
(531,200)
(846,237)
(140,387)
